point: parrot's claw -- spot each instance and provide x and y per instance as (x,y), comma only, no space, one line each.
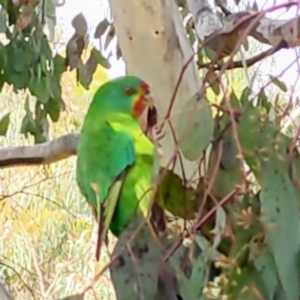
(156,134)
(160,133)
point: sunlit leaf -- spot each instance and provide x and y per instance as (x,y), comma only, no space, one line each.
(244,99)
(4,123)
(246,44)
(280,84)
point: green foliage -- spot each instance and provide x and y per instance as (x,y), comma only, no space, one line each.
(28,64)
(27,61)
(266,158)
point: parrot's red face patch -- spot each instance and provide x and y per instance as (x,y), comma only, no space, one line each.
(139,106)
(143,99)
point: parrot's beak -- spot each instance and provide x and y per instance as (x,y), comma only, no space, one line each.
(149,99)
(146,95)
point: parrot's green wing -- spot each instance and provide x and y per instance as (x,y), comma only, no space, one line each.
(102,161)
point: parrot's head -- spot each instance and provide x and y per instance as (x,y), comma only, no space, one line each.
(127,94)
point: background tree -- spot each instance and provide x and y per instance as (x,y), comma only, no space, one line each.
(241,204)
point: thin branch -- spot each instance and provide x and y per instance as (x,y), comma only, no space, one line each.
(239,64)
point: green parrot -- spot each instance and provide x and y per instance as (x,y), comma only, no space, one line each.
(115,158)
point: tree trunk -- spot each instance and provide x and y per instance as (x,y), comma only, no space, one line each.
(155,47)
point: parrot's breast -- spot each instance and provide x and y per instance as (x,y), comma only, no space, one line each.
(135,195)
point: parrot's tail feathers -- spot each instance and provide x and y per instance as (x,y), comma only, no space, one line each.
(102,230)
(99,241)
(107,209)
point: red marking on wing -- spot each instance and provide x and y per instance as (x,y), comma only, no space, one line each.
(139,106)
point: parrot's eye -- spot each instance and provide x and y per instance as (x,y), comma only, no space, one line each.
(129,91)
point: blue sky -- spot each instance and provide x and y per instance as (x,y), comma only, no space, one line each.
(96,10)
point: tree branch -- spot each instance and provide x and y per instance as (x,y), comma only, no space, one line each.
(226,32)
(45,153)
(239,64)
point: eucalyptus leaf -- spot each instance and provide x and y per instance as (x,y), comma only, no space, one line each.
(51,22)
(192,288)
(264,149)
(83,76)
(267,270)
(40,89)
(3,21)
(23,58)
(46,49)
(53,108)
(18,80)
(282,220)
(53,86)
(195,127)
(49,14)
(74,50)
(59,64)
(134,274)
(192,283)
(109,37)
(101,28)
(101,60)
(80,24)
(28,126)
